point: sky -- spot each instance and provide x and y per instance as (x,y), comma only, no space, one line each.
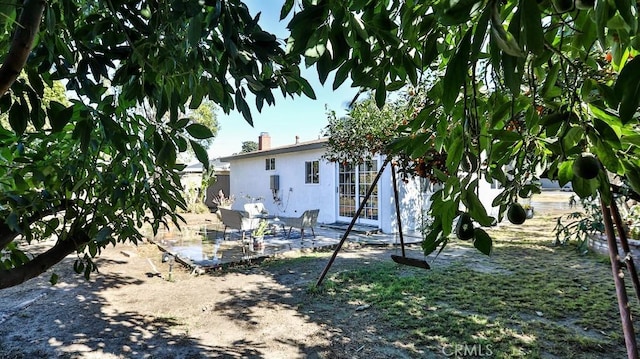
(289,117)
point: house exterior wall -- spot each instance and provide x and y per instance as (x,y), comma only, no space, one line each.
(250,179)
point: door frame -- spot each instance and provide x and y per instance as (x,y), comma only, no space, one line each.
(371,213)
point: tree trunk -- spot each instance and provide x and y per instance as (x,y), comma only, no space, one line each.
(27,27)
(44,261)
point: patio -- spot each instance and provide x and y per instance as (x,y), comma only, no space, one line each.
(203,246)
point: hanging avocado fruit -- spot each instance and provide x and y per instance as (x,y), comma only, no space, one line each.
(464,228)
(586,166)
(516,214)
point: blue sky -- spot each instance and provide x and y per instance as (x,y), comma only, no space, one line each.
(299,116)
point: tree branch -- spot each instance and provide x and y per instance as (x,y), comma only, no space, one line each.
(7,235)
(625,191)
(26,30)
(44,261)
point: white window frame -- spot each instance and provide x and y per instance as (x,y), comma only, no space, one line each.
(309,176)
(270,164)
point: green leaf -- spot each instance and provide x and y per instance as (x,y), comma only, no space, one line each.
(454,12)
(433,239)
(571,138)
(93,248)
(241,103)
(632,174)
(53,279)
(605,152)
(307,89)
(602,16)
(479,34)
(511,67)
(456,72)
(286,8)
(199,131)
(82,132)
(610,119)
(59,115)
(531,21)
(201,154)
(18,117)
(13,223)
(585,187)
(631,139)
(195,30)
(628,84)
(341,74)
(565,172)
(629,13)
(483,241)
(506,136)
(20,183)
(167,154)
(477,210)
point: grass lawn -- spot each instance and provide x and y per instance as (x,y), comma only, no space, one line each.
(529,299)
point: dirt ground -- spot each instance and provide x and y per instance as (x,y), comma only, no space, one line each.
(133,309)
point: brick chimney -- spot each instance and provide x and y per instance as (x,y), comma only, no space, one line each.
(264,141)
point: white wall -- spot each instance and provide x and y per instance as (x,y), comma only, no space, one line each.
(415,198)
(249,177)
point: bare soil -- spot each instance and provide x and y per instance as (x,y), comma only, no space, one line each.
(134,309)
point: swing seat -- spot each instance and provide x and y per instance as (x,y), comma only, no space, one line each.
(413,262)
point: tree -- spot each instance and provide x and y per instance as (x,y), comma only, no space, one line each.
(364,132)
(204,115)
(523,87)
(527,94)
(249,146)
(92,172)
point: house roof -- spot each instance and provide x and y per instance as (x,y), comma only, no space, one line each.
(296,147)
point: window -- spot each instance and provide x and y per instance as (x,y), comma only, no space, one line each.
(312,170)
(270,164)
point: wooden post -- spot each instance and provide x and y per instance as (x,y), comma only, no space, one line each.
(618,278)
(624,243)
(396,200)
(353,222)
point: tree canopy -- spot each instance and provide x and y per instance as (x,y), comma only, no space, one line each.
(514,89)
(91,172)
(249,146)
(519,87)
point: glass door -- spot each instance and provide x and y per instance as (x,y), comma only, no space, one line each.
(353,183)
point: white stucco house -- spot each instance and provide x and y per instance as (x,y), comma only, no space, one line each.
(293,178)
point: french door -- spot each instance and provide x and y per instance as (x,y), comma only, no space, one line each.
(353,183)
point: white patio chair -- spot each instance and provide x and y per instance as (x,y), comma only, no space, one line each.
(308,219)
(256,209)
(238,221)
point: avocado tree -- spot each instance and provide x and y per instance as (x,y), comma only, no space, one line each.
(523,88)
(90,172)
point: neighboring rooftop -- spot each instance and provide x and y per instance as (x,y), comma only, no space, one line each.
(216,164)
